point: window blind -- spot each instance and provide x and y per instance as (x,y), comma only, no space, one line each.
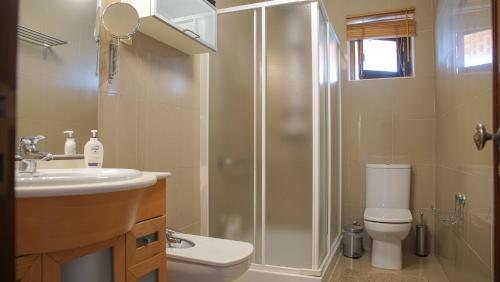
(388,24)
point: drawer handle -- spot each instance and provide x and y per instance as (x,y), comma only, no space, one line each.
(196,35)
(146,240)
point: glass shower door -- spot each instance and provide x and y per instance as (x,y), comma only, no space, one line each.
(231,146)
(324,136)
(288,136)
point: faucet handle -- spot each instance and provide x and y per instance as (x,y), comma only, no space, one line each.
(32,140)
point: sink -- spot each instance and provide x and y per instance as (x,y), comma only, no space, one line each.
(44,177)
(65,182)
(180,244)
(62,209)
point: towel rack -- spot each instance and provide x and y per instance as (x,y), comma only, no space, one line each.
(38,38)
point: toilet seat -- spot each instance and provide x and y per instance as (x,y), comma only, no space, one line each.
(388,215)
(212,251)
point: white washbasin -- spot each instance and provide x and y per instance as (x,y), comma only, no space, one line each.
(79,181)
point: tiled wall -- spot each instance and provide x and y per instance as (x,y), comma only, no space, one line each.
(463,98)
(153,123)
(57,87)
(389,120)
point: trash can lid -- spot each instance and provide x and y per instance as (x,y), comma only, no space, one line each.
(355,227)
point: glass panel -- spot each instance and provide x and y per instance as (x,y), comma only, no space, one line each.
(150,277)
(324,138)
(333,74)
(478,48)
(289,136)
(96,267)
(231,131)
(197,18)
(380,55)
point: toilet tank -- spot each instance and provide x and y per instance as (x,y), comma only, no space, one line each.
(388,186)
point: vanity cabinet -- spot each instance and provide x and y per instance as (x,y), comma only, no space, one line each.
(135,252)
(187,25)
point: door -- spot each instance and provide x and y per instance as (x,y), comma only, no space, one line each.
(466,175)
(8,22)
(483,135)
(496,125)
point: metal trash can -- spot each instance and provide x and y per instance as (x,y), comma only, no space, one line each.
(353,240)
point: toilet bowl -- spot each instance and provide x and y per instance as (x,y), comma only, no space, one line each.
(209,259)
(388,228)
(387,216)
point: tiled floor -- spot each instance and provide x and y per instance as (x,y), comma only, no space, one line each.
(416,269)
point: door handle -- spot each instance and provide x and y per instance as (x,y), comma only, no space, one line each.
(481,136)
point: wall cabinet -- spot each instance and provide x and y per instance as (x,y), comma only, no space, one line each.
(187,25)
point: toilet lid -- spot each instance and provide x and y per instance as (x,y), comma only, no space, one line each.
(212,251)
(385,215)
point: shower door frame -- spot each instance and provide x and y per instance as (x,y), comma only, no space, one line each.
(317,267)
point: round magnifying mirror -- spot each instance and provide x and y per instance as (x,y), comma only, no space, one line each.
(121,20)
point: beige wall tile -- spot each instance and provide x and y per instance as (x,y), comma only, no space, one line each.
(154,123)
(414,142)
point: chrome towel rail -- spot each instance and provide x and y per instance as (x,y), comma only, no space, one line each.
(38,38)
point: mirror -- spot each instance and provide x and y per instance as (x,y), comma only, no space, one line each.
(121,20)
(57,87)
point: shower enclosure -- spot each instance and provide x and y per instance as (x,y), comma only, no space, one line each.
(274,134)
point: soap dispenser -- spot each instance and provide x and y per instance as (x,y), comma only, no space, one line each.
(94,151)
(70,144)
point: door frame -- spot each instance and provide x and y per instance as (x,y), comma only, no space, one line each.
(8,50)
(495,12)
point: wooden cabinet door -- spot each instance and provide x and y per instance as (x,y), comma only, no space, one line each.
(52,262)
(152,269)
(29,268)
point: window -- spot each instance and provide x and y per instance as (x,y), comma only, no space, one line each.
(381,58)
(381,44)
(474,51)
(477,48)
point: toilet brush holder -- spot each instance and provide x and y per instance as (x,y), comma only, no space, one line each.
(420,238)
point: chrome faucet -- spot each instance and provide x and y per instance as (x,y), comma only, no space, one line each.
(28,154)
(171,239)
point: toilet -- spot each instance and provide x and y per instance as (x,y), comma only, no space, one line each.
(387,216)
(207,259)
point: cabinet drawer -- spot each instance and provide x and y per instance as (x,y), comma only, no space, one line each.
(145,240)
(152,269)
(153,202)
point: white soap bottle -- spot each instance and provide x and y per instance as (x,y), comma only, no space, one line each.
(70,144)
(94,151)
